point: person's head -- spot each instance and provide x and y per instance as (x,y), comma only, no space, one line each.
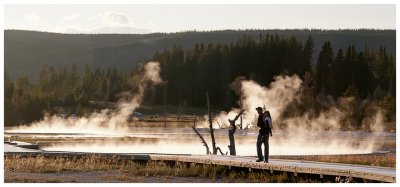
(259,110)
(268,114)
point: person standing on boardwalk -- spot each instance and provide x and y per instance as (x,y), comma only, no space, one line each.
(264,123)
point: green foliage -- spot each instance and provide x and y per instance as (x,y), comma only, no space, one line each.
(324,78)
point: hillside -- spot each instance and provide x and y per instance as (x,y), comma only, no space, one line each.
(26,51)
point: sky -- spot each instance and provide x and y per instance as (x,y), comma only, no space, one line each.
(141,18)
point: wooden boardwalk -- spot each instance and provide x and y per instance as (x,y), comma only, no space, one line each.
(382,174)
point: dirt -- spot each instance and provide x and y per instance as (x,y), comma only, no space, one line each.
(98,177)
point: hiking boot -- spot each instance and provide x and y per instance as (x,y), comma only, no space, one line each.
(259,160)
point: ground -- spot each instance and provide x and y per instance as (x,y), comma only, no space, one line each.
(98,177)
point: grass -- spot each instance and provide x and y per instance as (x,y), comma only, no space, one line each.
(25,179)
(134,171)
(383,160)
(56,165)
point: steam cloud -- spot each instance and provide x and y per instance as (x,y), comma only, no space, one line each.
(303,134)
(274,98)
(104,122)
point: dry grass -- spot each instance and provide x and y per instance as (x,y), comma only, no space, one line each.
(106,169)
(44,165)
(115,170)
(383,160)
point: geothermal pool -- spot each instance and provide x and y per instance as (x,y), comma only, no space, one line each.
(185,141)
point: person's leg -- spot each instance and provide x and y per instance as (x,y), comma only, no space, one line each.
(259,142)
(266,148)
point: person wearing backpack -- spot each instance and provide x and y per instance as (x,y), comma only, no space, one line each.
(264,123)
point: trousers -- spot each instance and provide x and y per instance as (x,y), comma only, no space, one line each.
(263,139)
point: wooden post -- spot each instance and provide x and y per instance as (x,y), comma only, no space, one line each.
(180,109)
(241,117)
(211,126)
(165,103)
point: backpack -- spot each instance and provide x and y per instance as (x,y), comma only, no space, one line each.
(267,120)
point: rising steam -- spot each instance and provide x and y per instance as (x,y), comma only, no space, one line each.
(302,133)
(274,98)
(104,122)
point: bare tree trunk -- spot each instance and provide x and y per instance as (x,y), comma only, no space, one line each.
(219,149)
(201,137)
(211,126)
(232,147)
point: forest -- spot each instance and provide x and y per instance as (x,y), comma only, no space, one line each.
(25,52)
(367,75)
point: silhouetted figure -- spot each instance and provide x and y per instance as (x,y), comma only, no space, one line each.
(264,123)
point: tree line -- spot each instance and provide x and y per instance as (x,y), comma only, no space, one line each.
(212,67)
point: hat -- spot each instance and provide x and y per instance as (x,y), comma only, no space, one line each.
(258,108)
